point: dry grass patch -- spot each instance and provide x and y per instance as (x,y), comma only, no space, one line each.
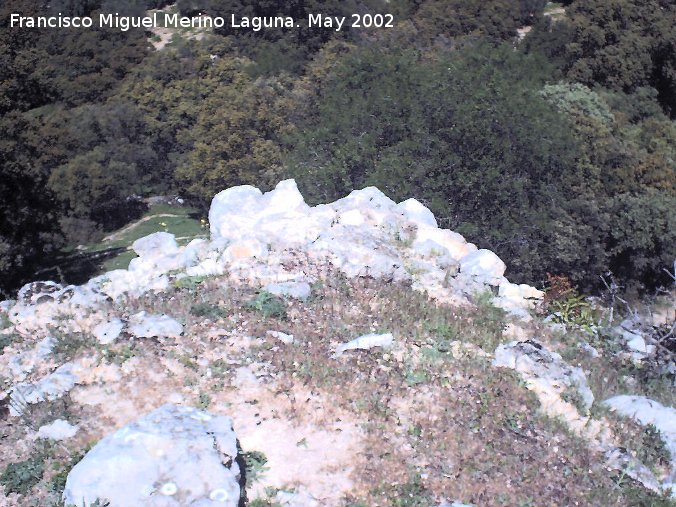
(424,421)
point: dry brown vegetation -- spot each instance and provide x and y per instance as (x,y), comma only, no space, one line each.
(425,421)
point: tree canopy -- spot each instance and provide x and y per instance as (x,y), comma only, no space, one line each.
(557,152)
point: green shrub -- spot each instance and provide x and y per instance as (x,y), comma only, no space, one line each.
(653,450)
(470,135)
(68,345)
(22,476)
(189,282)
(6,340)
(58,482)
(208,310)
(255,464)
(268,304)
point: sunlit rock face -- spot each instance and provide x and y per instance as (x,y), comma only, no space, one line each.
(173,456)
(254,235)
(363,234)
(646,411)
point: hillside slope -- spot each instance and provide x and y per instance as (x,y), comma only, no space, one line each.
(347,354)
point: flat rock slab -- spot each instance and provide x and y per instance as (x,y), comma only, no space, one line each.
(298,290)
(562,389)
(108,332)
(174,456)
(143,325)
(366,342)
(646,411)
(57,430)
(50,388)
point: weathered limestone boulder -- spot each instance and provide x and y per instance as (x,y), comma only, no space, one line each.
(366,342)
(235,212)
(107,332)
(39,292)
(42,305)
(255,235)
(416,212)
(143,325)
(57,430)
(484,265)
(158,253)
(646,411)
(562,389)
(155,245)
(49,388)
(174,456)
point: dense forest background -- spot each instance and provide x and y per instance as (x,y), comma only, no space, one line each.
(558,151)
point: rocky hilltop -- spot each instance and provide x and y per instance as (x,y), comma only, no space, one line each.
(351,353)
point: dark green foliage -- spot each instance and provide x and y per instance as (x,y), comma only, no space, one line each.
(573,177)
(29,230)
(632,153)
(23,83)
(208,310)
(469,135)
(268,305)
(22,476)
(39,67)
(623,45)
(255,465)
(642,234)
(653,451)
(494,19)
(276,49)
(409,494)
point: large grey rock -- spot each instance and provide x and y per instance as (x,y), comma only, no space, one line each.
(107,332)
(174,456)
(298,290)
(143,325)
(156,244)
(49,388)
(562,389)
(646,411)
(484,265)
(227,205)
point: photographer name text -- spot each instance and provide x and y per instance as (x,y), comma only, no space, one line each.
(172,20)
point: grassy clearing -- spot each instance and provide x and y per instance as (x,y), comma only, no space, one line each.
(182,222)
(78,266)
